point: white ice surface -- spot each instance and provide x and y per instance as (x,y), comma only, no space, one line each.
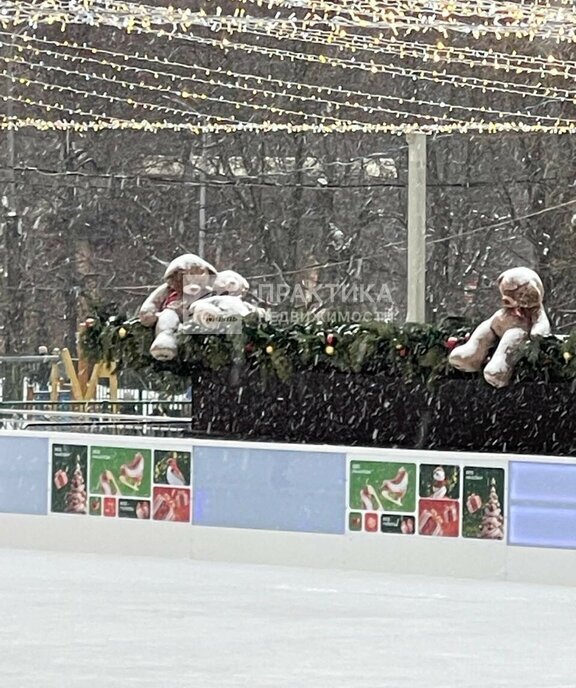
(75,621)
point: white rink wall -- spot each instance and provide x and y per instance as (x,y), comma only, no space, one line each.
(496,517)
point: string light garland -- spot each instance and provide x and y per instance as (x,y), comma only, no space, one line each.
(314,22)
(296,30)
(518,63)
(435,76)
(548,92)
(371,66)
(486,6)
(496,18)
(103,123)
(389,45)
(25,81)
(236,85)
(439,52)
(271,109)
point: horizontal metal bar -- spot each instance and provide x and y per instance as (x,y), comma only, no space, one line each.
(48,358)
(30,414)
(92,402)
(105,423)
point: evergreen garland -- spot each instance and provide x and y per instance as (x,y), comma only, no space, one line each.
(417,353)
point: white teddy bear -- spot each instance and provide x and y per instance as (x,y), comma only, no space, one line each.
(222,313)
(193,291)
(522,316)
(186,279)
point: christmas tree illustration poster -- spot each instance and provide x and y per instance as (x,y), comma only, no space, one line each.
(483,507)
(68,479)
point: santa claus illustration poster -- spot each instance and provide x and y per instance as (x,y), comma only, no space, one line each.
(439,481)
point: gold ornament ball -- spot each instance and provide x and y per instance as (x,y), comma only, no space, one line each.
(567,356)
(122,332)
(329,350)
(269,349)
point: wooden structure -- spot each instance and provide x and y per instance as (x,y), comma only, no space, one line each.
(79,377)
(84,381)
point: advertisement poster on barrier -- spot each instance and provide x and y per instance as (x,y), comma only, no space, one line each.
(372,522)
(439,517)
(172,468)
(483,503)
(171,504)
(103,506)
(121,482)
(172,494)
(381,497)
(439,504)
(382,486)
(68,479)
(439,481)
(120,471)
(397,523)
(134,508)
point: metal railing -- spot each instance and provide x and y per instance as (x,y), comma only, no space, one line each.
(93,405)
(93,422)
(33,358)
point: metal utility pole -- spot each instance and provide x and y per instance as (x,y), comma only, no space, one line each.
(416,273)
(70,243)
(13,310)
(202,202)
(11,301)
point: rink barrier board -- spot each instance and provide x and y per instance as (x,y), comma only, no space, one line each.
(268,489)
(23,474)
(291,505)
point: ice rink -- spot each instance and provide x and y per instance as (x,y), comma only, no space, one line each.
(70,621)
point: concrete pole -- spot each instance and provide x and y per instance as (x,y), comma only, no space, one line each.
(416,273)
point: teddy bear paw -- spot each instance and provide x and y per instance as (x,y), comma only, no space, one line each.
(466,363)
(164,347)
(497,379)
(148,318)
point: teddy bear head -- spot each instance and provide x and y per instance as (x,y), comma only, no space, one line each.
(520,288)
(189,274)
(231,283)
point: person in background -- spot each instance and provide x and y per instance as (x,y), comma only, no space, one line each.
(42,376)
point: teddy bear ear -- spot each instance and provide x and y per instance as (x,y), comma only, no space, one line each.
(500,278)
(536,279)
(189,261)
